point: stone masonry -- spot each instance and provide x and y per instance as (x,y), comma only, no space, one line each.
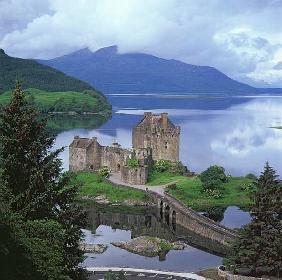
(154,138)
(158,133)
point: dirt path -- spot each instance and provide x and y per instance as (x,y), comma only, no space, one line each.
(115,179)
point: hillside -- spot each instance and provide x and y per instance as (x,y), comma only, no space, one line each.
(64,102)
(111,72)
(35,75)
(50,90)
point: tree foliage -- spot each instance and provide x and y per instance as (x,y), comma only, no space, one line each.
(38,194)
(258,250)
(213,177)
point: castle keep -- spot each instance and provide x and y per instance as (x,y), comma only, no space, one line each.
(154,138)
(158,133)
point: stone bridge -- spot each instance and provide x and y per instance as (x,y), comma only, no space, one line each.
(182,219)
(174,213)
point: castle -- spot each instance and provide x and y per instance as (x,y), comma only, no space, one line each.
(154,138)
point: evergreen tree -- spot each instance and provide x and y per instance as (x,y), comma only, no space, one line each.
(258,249)
(32,174)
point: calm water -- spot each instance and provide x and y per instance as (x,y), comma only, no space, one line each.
(233,132)
(106,227)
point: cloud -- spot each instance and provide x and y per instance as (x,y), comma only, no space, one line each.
(238,37)
(278,66)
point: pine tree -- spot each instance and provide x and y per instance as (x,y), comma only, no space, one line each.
(32,174)
(258,250)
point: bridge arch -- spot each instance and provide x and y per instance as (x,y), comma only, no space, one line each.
(167,212)
(173,220)
(161,206)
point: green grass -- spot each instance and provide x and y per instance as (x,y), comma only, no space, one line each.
(189,191)
(46,102)
(92,187)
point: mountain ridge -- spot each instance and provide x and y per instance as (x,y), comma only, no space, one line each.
(112,72)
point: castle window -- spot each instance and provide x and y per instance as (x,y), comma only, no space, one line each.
(165,145)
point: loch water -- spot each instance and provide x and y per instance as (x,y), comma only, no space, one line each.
(232,131)
(112,225)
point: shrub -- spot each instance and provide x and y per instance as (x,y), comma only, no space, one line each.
(177,168)
(162,165)
(213,193)
(133,162)
(247,187)
(213,177)
(120,275)
(104,172)
(251,176)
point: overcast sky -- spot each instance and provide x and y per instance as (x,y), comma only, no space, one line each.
(242,38)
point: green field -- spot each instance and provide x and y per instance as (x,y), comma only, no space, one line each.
(189,190)
(91,186)
(68,101)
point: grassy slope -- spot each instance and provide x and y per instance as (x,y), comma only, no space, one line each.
(91,186)
(63,101)
(188,190)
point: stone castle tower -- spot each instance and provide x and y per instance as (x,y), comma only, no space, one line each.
(158,133)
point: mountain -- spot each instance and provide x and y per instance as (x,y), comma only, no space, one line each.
(35,75)
(112,72)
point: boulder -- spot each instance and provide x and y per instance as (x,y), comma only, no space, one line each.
(93,248)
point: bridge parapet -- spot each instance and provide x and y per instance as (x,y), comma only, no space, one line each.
(193,221)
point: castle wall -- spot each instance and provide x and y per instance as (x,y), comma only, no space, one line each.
(144,156)
(77,159)
(134,175)
(163,142)
(114,157)
(95,155)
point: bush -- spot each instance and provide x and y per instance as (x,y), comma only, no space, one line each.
(178,168)
(213,193)
(104,172)
(251,176)
(132,162)
(247,187)
(162,165)
(120,275)
(213,177)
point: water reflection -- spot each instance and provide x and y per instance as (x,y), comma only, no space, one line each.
(238,137)
(113,224)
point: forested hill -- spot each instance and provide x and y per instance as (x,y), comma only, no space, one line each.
(112,72)
(35,75)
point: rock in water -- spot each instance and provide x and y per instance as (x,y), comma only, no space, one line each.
(93,248)
(149,246)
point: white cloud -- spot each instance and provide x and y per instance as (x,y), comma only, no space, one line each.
(241,38)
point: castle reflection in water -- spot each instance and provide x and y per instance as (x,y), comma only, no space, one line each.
(148,222)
